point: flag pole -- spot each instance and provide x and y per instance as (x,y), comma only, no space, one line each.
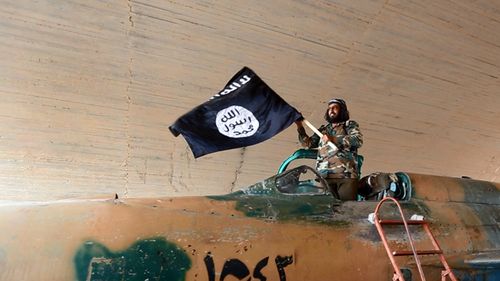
(317,132)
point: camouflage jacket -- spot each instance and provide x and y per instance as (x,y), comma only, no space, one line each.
(348,138)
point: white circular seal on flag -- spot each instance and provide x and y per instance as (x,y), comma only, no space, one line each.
(236,122)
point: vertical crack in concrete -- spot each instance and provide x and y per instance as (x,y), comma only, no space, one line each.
(238,170)
(130,20)
(127,96)
(127,129)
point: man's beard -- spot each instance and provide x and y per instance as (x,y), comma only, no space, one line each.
(330,119)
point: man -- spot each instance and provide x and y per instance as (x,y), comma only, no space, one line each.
(339,168)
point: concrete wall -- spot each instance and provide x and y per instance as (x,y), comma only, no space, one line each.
(89,88)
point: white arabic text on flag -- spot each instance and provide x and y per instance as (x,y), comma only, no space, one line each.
(246,112)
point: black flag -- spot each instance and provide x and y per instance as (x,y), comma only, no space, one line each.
(245,112)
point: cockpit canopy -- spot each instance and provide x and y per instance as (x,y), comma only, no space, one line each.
(301,180)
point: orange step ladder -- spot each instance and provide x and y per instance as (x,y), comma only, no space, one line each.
(398,275)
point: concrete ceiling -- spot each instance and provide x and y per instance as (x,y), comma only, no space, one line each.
(89,88)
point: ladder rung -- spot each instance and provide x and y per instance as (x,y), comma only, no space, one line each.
(411,222)
(410,253)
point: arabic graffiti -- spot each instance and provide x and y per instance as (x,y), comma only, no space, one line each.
(159,259)
(239,270)
(233,86)
(150,259)
(281,263)
(236,122)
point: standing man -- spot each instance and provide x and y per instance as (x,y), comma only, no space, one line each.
(339,168)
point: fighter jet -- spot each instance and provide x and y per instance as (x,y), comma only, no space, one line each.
(290,226)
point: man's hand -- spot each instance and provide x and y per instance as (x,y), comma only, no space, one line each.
(299,124)
(303,137)
(325,138)
(332,139)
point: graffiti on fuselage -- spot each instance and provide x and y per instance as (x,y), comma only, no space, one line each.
(238,269)
(149,259)
(159,259)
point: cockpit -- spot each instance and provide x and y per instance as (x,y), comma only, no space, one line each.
(301,180)
(304,180)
